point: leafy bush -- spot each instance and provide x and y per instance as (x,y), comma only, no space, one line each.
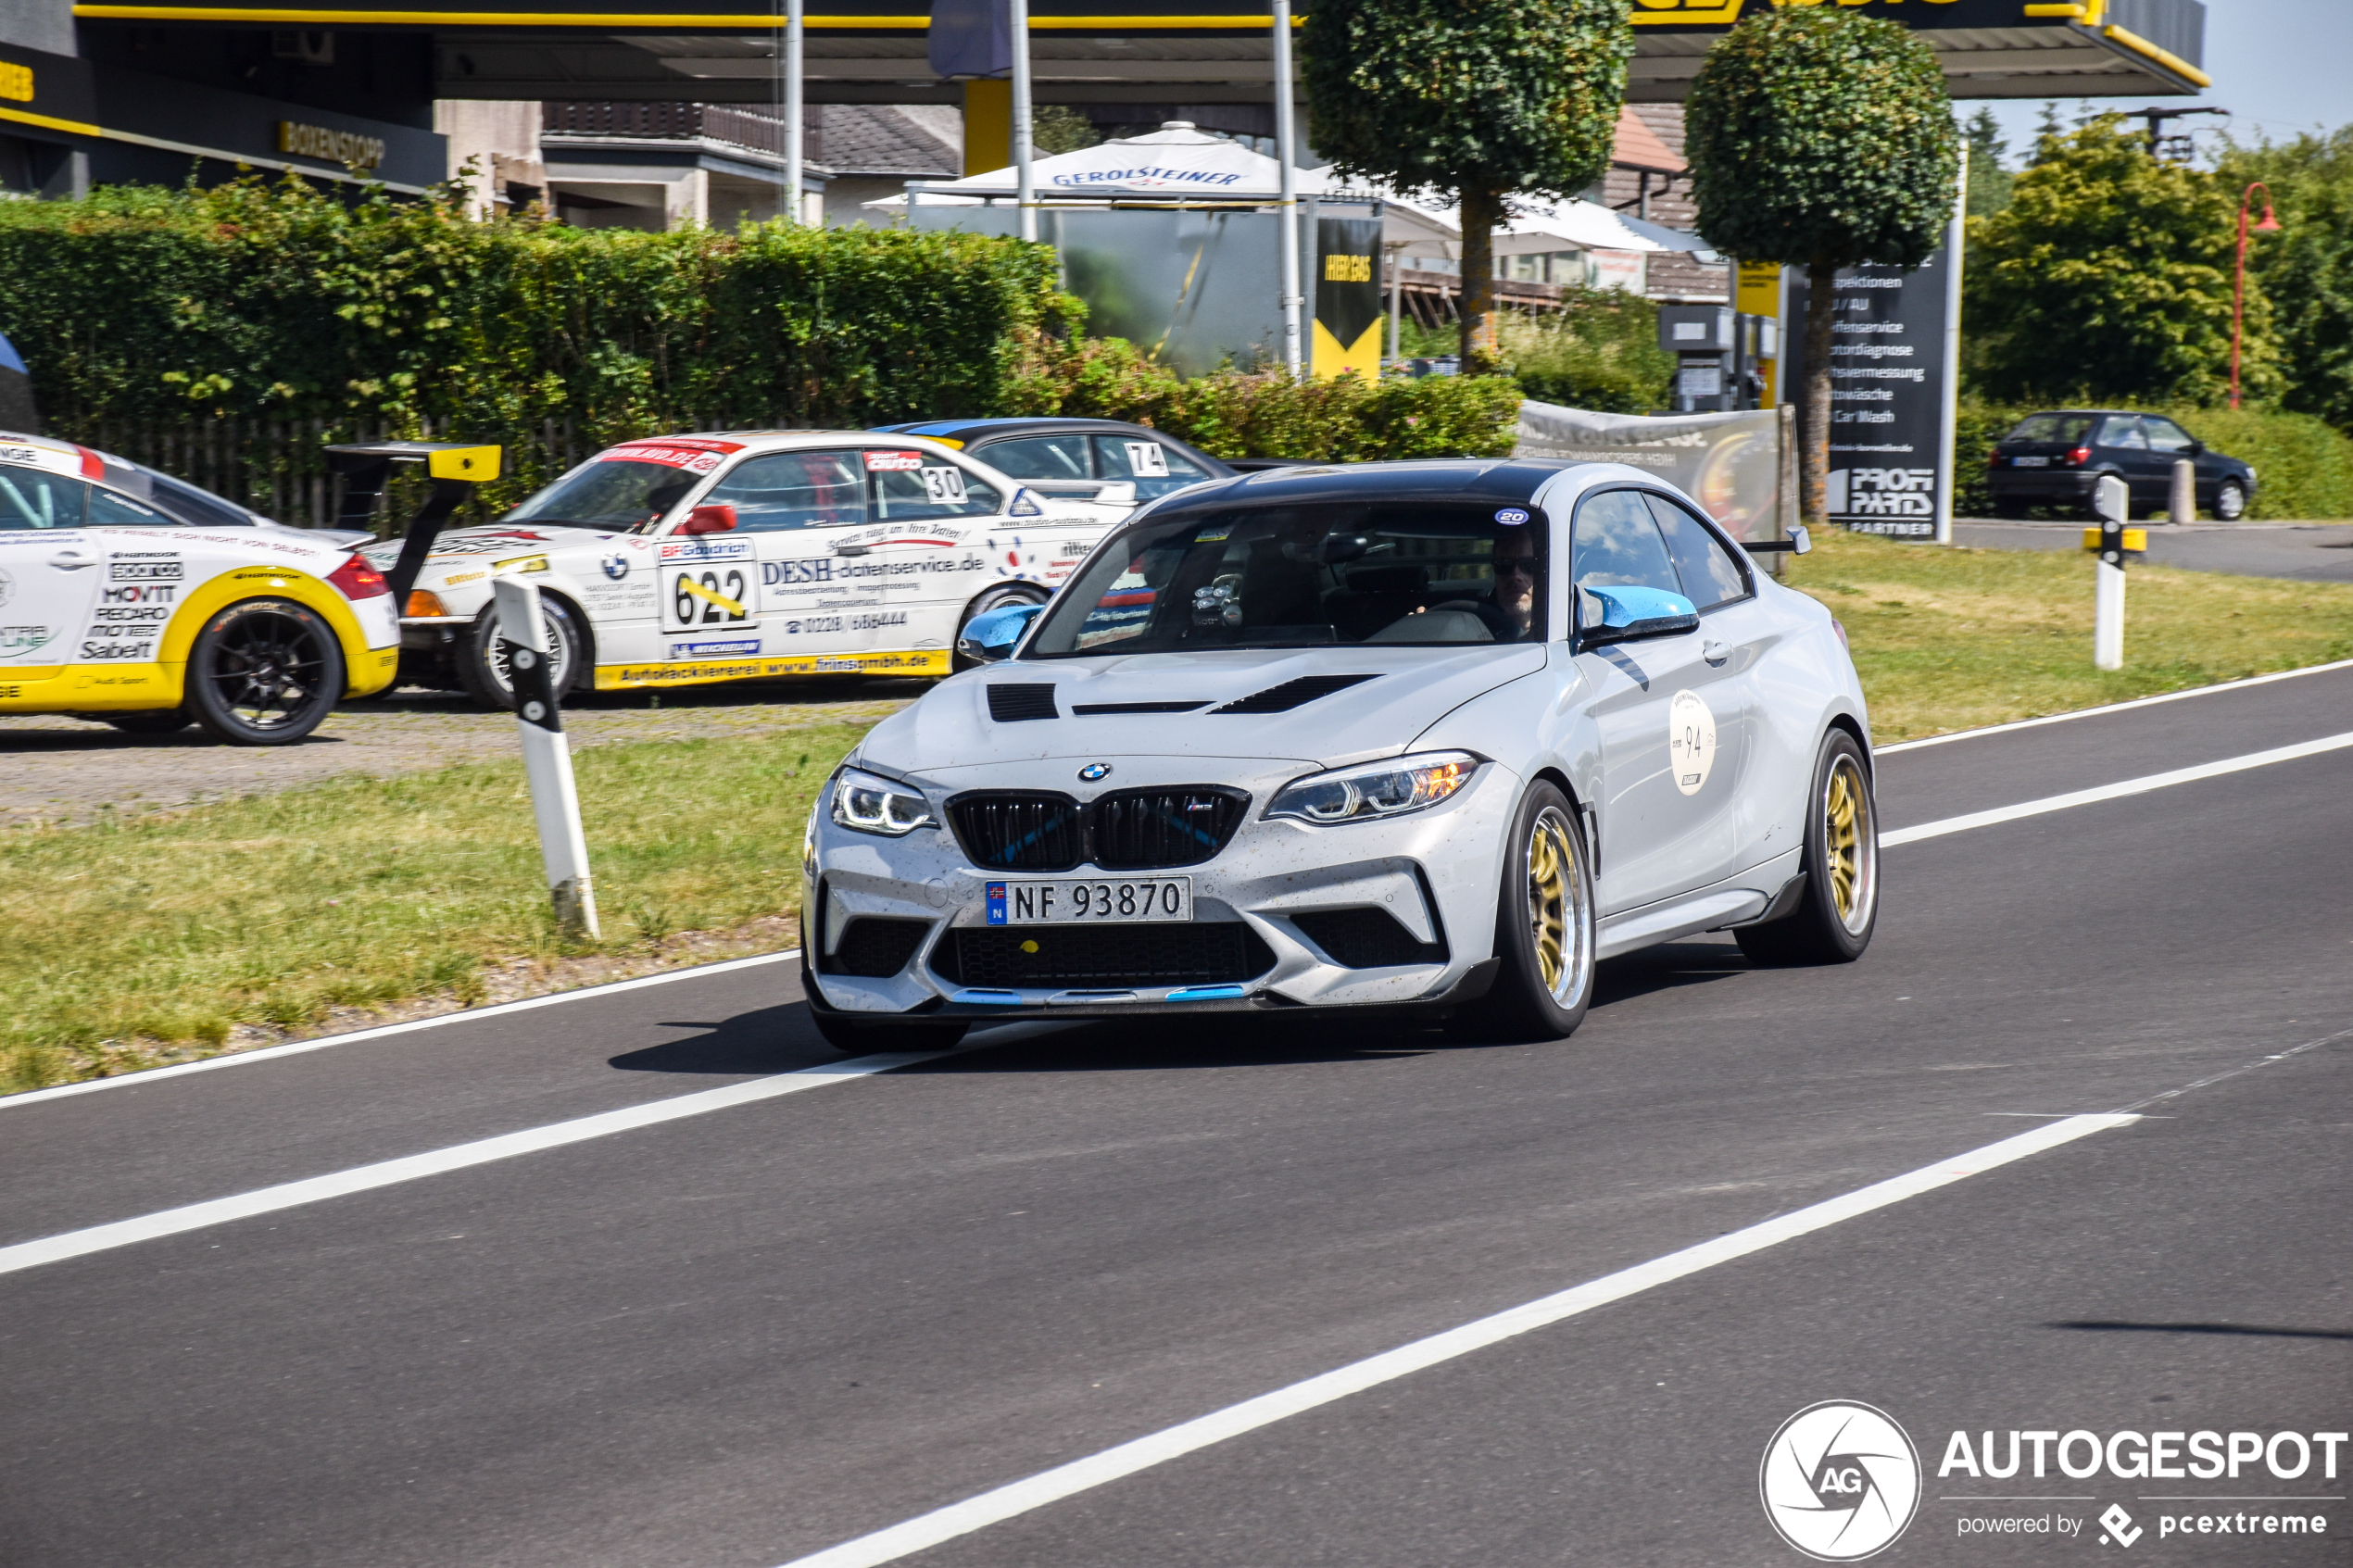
(1601,353)
(2307,267)
(2303,468)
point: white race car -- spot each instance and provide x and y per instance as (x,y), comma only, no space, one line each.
(692,558)
(1434,735)
(129,597)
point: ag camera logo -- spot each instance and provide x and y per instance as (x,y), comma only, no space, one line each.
(1840,1481)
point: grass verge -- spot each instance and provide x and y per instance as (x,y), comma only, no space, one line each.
(174,930)
(1950,639)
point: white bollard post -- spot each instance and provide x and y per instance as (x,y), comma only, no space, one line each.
(2181,506)
(547,756)
(2113,501)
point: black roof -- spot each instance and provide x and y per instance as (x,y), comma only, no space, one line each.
(1472,478)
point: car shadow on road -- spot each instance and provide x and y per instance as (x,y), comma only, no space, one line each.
(103,737)
(1158,1042)
(1668,967)
(766,1040)
(2095,1326)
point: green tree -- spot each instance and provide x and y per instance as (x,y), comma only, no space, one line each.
(1484,99)
(2108,278)
(1057,128)
(1989,181)
(1822,139)
(2306,269)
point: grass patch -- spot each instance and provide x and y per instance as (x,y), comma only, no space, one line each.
(1950,639)
(358,892)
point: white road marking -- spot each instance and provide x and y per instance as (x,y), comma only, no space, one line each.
(2114,791)
(2110,707)
(471,1015)
(1021,1497)
(361,1178)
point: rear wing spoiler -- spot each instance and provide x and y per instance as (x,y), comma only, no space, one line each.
(366,470)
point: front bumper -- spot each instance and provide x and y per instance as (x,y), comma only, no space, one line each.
(1434,872)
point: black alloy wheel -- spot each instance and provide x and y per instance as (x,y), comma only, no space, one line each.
(264,672)
(481,656)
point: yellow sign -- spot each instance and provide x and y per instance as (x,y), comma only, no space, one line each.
(2135,539)
(477,463)
(1758,293)
(1348,269)
(333,146)
(15,82)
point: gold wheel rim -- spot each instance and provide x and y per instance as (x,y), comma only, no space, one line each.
(1848,842)
(1558,926)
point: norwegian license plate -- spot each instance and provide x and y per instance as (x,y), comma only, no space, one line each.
(1076,900)
(2030,462)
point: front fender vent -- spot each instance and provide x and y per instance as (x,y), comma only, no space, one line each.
(1366,937)
(1292,694)
(1009,703)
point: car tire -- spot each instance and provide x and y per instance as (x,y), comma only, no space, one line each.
(1839,909)
(856,1036)
(483,672)
(264,672)
(2230,501)
(1544,926)
(994,598)
(156,721)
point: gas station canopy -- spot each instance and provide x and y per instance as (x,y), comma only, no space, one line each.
(874,51)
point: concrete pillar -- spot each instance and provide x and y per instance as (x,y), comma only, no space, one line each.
(688,201)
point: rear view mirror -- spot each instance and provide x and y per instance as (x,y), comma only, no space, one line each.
(1798,542)
(2194,449)
(1630,614)
(712,516)
(994,634)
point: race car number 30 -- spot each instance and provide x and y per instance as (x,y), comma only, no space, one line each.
(1069,902)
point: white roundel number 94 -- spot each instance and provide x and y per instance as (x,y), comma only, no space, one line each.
(1691,741)
(695,596)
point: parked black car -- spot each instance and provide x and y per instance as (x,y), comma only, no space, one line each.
(1077,457)
(2054,460)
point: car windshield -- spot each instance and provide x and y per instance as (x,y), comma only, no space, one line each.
(1418,574)
(2069,430)
(616,493)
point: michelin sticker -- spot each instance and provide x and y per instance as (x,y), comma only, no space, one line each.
(1691,741)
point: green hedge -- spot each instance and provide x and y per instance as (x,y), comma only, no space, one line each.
(2303,465)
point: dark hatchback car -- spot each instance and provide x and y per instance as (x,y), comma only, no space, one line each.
(2054,460)
(1077,457)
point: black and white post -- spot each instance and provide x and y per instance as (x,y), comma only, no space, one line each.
(2113,501)
(547,756)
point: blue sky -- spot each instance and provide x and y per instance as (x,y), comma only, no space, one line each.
(2281,67)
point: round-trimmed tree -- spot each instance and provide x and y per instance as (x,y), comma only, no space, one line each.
(1481,99)
(1822,139)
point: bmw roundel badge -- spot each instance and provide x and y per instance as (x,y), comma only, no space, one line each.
(1511,517)
(1094,770)
(616,566)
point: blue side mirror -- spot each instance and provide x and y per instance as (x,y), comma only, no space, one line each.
(992,634)
(1626,614)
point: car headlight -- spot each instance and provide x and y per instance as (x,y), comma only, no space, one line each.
(1375,789)
(872,805)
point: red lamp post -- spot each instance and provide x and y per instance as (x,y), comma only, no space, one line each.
(2238,283)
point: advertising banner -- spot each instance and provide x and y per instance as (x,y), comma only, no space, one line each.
(1728,463)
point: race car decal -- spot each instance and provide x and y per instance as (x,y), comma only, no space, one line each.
(1691,741)
(54,457)
(121,568)
(914,661)
(893,462)
(705,549)
(520,563)
(128,621)
(737,648)
(690,455)
(698,596)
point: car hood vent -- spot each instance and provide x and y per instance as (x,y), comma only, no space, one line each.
(1292,694)
(1009,703)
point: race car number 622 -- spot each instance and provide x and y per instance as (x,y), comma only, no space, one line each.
(711,596)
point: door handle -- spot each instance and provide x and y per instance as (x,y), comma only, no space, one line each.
(71,560)
(1716,653)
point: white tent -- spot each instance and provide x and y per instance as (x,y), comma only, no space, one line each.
(1174,161)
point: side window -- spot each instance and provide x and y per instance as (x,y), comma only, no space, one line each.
(926,488)
(108,509)
(31,498)
(1711,576)
(1039,456)
(1155,469)
(1616,543)
(785,490)
(2164,434)
(2123,430)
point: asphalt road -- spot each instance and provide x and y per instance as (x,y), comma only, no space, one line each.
(2306,552)
(738,1338)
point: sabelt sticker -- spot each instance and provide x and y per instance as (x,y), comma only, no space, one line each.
(1691,741)
(694,457)
(893,462)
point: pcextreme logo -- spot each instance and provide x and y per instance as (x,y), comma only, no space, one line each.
(1840,1481)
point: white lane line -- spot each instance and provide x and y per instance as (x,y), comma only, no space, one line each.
(2118,791)
(471,1015)
(2110,707)
(434,1162)
(1021,1497)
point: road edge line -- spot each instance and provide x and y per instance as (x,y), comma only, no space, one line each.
(2262,680)
(1008,1501)
(378,1032)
